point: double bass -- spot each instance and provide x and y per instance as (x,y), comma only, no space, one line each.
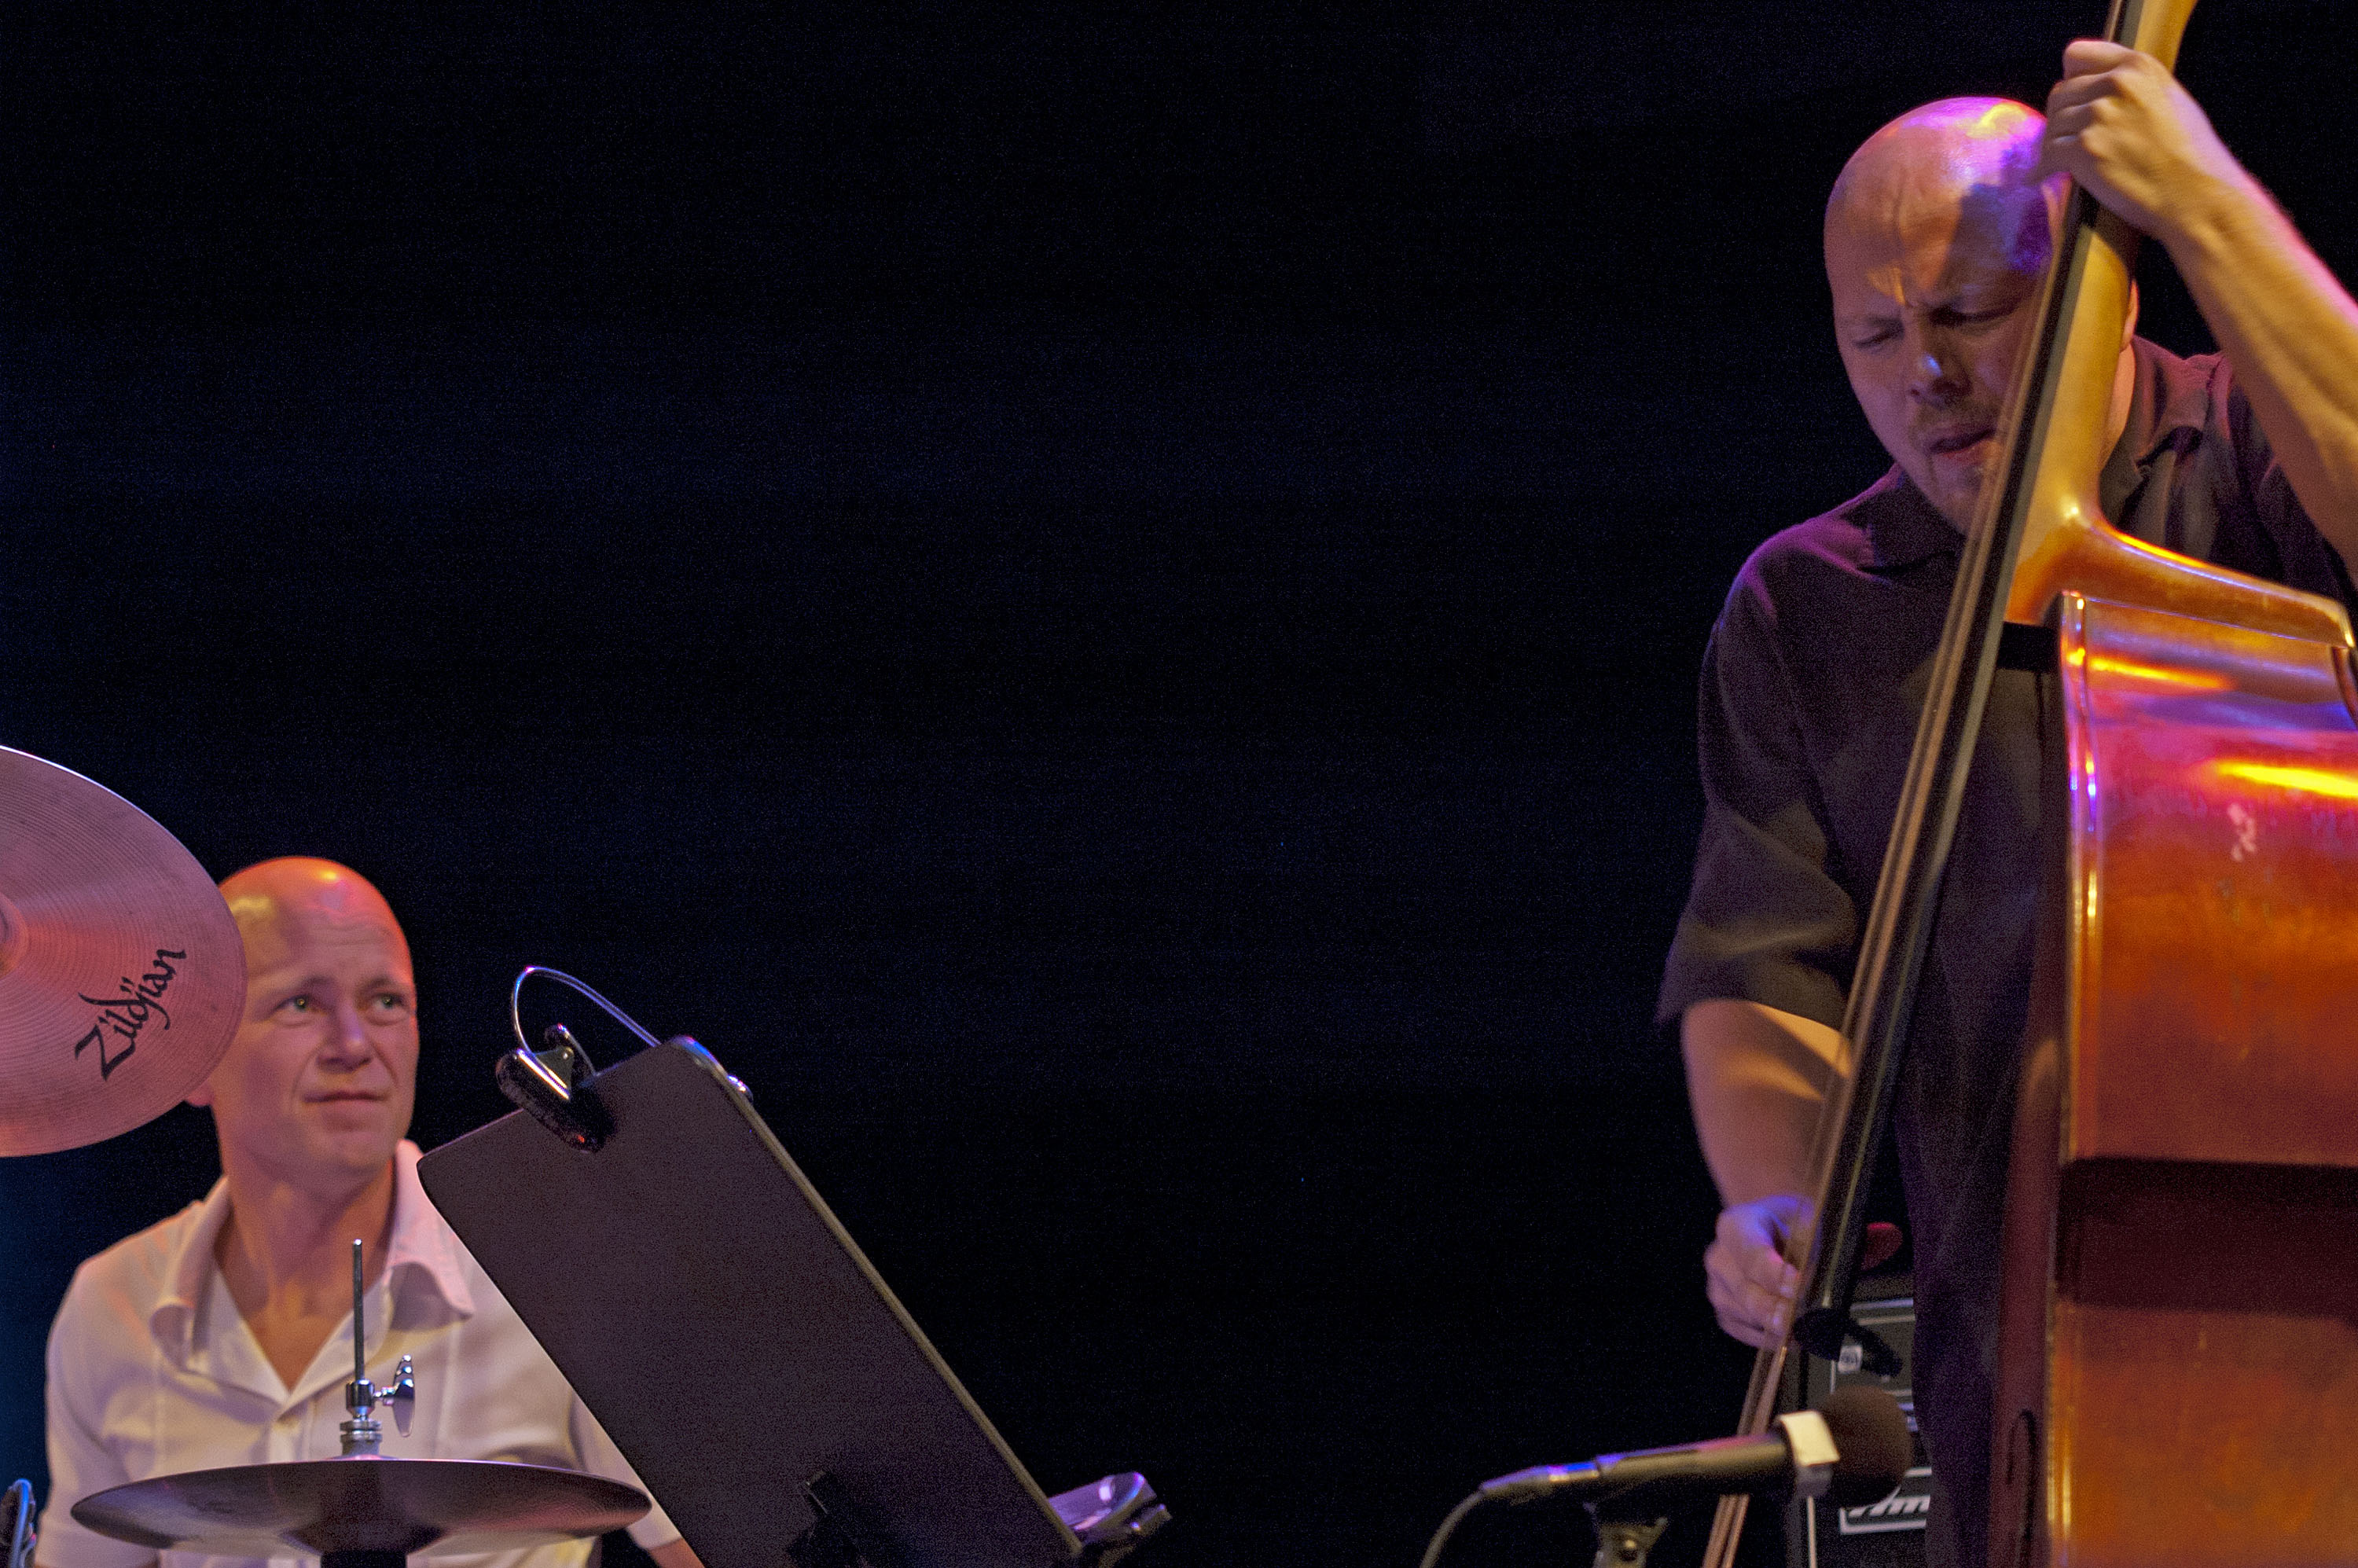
(2177,1378)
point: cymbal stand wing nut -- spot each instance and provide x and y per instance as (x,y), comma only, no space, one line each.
(362,1432)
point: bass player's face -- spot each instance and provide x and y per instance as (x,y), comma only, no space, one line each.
(1933,296)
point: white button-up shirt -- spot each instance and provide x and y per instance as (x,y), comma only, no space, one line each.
(153,1371)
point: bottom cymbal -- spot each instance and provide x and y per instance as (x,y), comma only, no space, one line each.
(365,1503)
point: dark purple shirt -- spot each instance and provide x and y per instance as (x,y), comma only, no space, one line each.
(1812,685)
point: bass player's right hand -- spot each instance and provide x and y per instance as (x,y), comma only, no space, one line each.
(1750,1285)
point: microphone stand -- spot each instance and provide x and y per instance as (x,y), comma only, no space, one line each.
(1623,1542)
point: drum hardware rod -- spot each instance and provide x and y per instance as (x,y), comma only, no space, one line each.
(362,1432)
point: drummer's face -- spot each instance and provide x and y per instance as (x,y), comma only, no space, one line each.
(317,1085)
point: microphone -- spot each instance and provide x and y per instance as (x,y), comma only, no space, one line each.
(1852,1451)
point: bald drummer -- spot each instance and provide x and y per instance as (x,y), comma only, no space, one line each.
(222,1335)
(1937,235)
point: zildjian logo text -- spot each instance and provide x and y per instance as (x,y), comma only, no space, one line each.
(124,1016)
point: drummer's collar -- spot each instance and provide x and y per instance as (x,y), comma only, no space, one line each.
(423,1248)
(421,1240)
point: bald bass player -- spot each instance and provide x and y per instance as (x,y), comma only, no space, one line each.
(221,1336)
(1937,235)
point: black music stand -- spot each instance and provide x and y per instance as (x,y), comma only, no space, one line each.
(728,1334)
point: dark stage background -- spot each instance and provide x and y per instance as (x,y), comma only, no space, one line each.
(1102,599)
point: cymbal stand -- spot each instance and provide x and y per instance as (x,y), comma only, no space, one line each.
(362,1432)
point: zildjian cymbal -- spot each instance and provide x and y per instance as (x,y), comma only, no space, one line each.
(363,1503)
(122,976)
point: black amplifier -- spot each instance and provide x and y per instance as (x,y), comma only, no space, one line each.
(1888,1534)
